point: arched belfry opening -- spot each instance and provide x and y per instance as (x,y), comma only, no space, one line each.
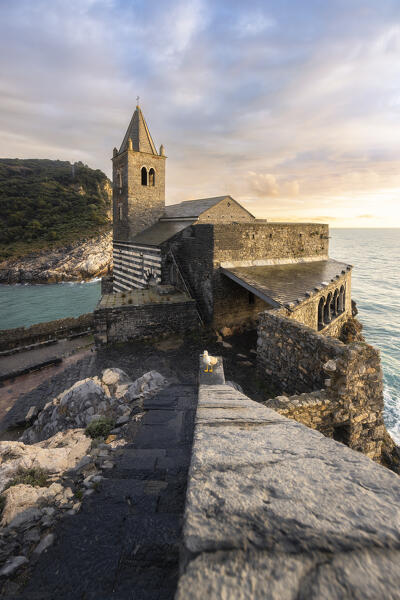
(144,175)
(152,177)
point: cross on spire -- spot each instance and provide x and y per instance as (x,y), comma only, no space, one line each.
(137,100)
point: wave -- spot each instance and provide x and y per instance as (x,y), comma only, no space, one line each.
(392,414)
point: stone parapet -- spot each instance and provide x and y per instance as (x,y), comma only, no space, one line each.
(276,510)
(22,338)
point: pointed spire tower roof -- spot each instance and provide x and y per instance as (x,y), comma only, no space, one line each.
(139,133)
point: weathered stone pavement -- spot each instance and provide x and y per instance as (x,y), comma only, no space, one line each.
(124,543)
(29,359)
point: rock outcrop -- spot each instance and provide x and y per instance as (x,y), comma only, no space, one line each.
(56,463)
(81,261)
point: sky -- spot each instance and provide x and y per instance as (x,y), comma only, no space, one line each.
(291,107)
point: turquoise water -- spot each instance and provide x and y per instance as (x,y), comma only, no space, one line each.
(28,304)
(375,254)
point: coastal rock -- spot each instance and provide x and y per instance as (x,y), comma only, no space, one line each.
(79,261)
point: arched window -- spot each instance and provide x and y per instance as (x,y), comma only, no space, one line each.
(334,304)
(327,310)
(144,176)
(119,179)
(120,212)
(342,299)
(152,177)
(321,313)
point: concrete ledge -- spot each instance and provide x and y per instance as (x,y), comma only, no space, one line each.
(276,510)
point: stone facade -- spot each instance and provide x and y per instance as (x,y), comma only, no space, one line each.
(201,249)
(308,313)
(145,320)
(136,206)
(346,381)
(244,243)
(226,211)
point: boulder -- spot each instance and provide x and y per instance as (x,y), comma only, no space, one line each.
(74,407)
(12,564)
(150,382)
(58,454)
(24,503)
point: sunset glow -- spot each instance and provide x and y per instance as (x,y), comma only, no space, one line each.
(293,108)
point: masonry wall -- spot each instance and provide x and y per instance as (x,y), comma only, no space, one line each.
(113,325)
(142,205)
(227,211)
(202,248)
(193,251)
(233,304)
(307,312)
(45,332)
(285,242)
(297,359)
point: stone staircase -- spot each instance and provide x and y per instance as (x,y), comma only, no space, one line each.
(124,543)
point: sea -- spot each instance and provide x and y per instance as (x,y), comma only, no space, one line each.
(375,254)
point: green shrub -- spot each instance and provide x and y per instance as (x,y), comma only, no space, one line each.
(36,477)
(99,428)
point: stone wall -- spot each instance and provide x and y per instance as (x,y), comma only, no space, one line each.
(276,510)
(107,283)
(297,359)
(285,242)
(201,249)
(123,323)
(43,332)
(228,210)
(193,252)
(307,312)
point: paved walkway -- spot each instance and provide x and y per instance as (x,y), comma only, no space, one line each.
(124,543)
(29,359)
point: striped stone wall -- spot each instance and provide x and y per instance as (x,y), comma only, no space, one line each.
(133,265)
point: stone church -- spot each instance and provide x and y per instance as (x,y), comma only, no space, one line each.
(214,252)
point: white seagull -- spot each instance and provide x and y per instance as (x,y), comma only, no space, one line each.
(209,361)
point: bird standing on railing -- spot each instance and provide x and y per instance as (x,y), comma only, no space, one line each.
(209,361)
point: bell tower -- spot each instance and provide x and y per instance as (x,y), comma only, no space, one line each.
(138,181)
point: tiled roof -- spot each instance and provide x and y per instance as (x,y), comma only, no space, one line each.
(160,232)
(290,283)
(191,208)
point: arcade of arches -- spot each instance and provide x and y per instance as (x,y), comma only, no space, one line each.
(331,307)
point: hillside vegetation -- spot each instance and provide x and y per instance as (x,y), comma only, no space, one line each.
(49,203)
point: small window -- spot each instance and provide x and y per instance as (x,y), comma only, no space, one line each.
(120,212)
(251,298)
(144,176)
(152,177)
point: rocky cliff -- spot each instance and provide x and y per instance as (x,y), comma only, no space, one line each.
(78,261)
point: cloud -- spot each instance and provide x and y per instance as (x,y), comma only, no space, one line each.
(289,106)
